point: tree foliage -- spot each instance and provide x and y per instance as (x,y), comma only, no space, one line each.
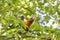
(47,25)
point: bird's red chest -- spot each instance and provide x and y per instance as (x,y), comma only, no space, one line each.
(28,24)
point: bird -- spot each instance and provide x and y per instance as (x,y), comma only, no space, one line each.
(28,23)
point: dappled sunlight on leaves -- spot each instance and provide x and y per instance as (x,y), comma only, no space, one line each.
(46,23)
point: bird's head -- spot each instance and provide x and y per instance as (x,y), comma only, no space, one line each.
(31,20)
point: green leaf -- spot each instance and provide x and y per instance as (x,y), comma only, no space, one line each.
(35,26)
